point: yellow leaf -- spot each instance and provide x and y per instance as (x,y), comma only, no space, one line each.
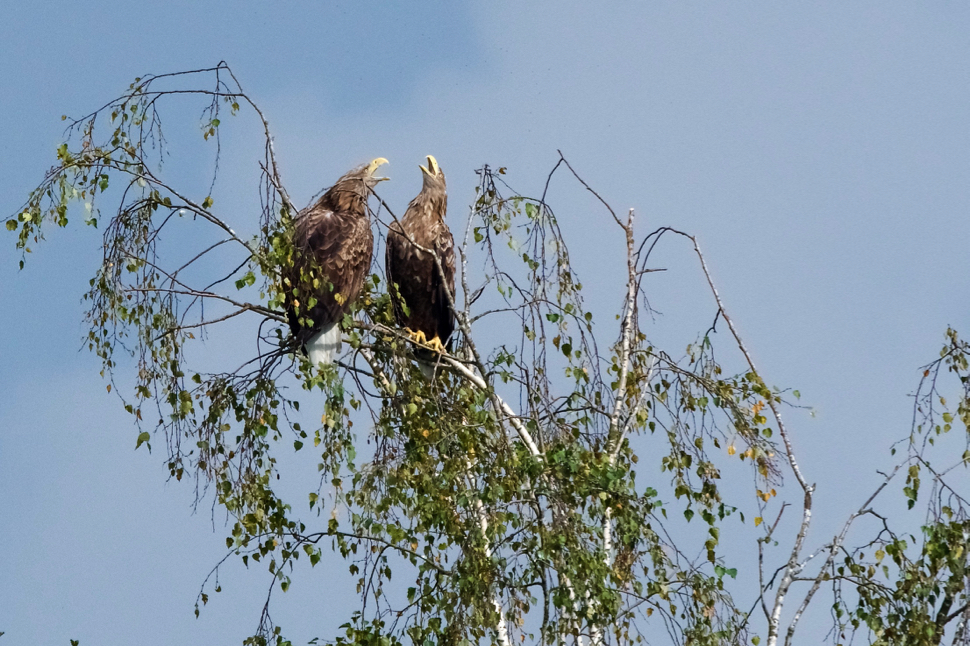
(731,450)
(757,521)
(757,407)
(880,554)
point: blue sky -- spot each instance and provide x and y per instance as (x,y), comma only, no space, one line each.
(820,152)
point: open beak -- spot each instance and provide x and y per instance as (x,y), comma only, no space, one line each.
(432,170)
(372,168)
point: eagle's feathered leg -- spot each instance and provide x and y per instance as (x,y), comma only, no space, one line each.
(429,364)
(427,369)
(322,346)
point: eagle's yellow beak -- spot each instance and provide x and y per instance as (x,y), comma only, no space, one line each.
(372,167)
(433,170)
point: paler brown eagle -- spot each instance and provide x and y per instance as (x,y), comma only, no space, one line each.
(333,246)
(419,291)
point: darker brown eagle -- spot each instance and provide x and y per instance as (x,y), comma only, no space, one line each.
(334,245)
(417,288)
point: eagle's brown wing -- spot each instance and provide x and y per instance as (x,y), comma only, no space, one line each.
(397,259)
(442,313)
(341,246)
(416,286)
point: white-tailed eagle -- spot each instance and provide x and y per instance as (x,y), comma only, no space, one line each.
(333,246)
(419,291)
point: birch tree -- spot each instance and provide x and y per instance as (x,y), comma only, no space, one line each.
(557,482)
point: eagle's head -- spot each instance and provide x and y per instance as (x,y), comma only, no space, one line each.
(366,174)
(351,191)
(371,168)
(434,179)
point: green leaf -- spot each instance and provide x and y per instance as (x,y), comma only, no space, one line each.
(248,279)
(11,225)
(143,437)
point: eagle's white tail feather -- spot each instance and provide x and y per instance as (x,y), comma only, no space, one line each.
(322,346)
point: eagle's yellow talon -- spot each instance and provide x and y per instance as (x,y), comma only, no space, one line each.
(416,336)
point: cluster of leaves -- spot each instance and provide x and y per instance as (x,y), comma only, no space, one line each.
(917,597)
(922,590)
